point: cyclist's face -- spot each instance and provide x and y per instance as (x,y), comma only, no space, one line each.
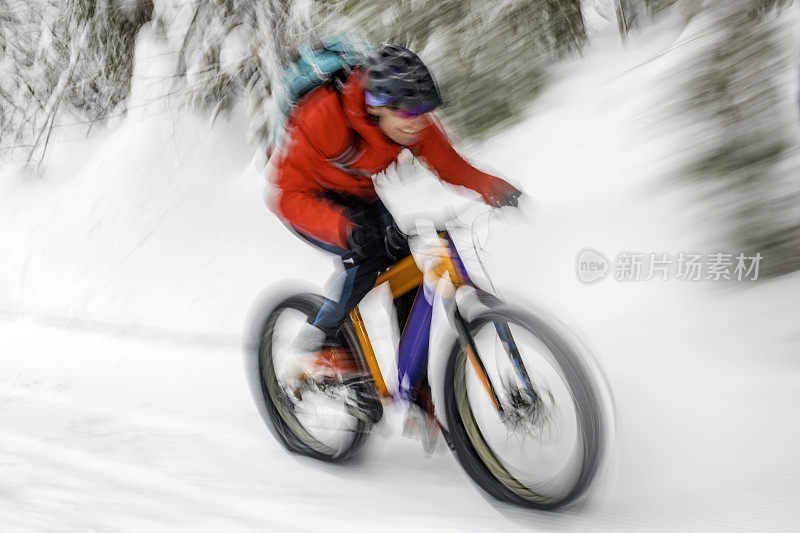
(402,130)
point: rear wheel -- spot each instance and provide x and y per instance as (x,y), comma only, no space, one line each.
(328,420)
(545,447)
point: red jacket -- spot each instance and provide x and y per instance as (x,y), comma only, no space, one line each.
(321,129)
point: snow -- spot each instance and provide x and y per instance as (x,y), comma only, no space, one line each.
(235,49)
(598,15)
(132,261)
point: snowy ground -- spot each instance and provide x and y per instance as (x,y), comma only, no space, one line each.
(131,263)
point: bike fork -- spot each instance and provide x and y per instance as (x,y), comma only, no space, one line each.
(468,345)
(504,332)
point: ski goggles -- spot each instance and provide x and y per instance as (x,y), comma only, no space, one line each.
(381,100)
(413,112)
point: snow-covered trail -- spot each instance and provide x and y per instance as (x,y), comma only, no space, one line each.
(161,436)
(103,432)
(157,228)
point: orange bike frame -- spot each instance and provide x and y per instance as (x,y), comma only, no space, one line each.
(402,277)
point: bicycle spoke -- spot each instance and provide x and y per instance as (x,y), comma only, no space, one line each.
(315,409)
(535,444)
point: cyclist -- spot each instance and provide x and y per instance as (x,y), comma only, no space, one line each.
(337,139)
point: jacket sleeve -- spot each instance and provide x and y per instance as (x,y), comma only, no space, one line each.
(436,152)
(300,201)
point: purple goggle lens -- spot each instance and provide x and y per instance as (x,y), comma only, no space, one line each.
(380,100)
(413,112)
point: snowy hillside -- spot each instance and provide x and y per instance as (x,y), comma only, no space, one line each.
(129,266)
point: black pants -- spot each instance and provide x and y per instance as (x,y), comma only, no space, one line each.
(361,268)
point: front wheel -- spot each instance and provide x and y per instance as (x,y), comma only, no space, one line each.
(539,440)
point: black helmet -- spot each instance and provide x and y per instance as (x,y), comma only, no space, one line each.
(398,77)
